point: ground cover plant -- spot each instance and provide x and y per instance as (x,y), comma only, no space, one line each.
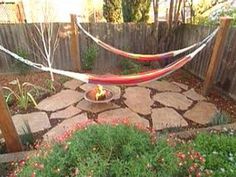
(121,150)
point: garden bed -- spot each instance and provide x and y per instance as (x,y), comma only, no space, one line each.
(124,150)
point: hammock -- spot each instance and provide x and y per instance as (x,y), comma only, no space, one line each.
(116,79)
(141,57)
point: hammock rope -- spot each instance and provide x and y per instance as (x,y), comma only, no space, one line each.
(116,79)
(141,57)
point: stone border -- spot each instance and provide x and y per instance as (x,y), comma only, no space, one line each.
(190,133)
(16,156)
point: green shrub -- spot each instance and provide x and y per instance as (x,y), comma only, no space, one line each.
(136,10)
(220,153)
(20,67)
(103,150)
(50,85)
(89,57)
(23,95)
(220,118)
(112,10)
(129,67)
(106,151)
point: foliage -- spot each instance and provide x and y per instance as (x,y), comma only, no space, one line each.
(129,67)
(27,138)
(63,79)
(23,95)
(219,152)
(50,85)
(205,15)
(9,99)
(112,10)
(20,67)
(103,150)
(220,118)
(89,57)
(136,10)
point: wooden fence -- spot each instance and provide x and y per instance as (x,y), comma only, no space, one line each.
(137,38)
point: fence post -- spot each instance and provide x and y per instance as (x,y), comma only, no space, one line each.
(216,54)
(21,12)
(7,127)
(74,44)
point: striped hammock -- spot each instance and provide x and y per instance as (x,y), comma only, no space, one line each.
(116,79)
(141,57)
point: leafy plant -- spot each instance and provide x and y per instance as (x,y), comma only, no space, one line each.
(20,67)
(129,67)
(89,56)
(63,79)
(50,85)
(103,150)
(112,10)
(220,118)
(23,95)
(9,99)
(27,138)
(219,151)
(136,10)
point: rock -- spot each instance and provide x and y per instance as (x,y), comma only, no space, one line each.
(16,156)
(166,118)
(175,100)
(66,125)
(193,95)
(122,113)
(162,86)
(183,86)
(86,87)
(115,90)
(72,84)
(95,108)
(201,113)
(60,100)
(138,100)
(66,113)
(36,121)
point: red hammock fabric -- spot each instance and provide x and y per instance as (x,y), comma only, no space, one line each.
(140,57)
(139,78)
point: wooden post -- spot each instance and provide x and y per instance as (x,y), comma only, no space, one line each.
(21,12)
(74,44)
(216,54)
(7,127)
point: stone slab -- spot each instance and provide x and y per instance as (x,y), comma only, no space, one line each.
(64,126)
(115,90)
(162,86)
(175,100)
(122,113)
(72,84)
(201,113)
(193,95)
(167,117)
(36,121)
(16,156)
(60,100)
(95,108)
(86,87)
(181,85)
(138,100)
(66,113)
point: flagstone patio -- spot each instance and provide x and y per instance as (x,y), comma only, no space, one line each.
(157,105)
